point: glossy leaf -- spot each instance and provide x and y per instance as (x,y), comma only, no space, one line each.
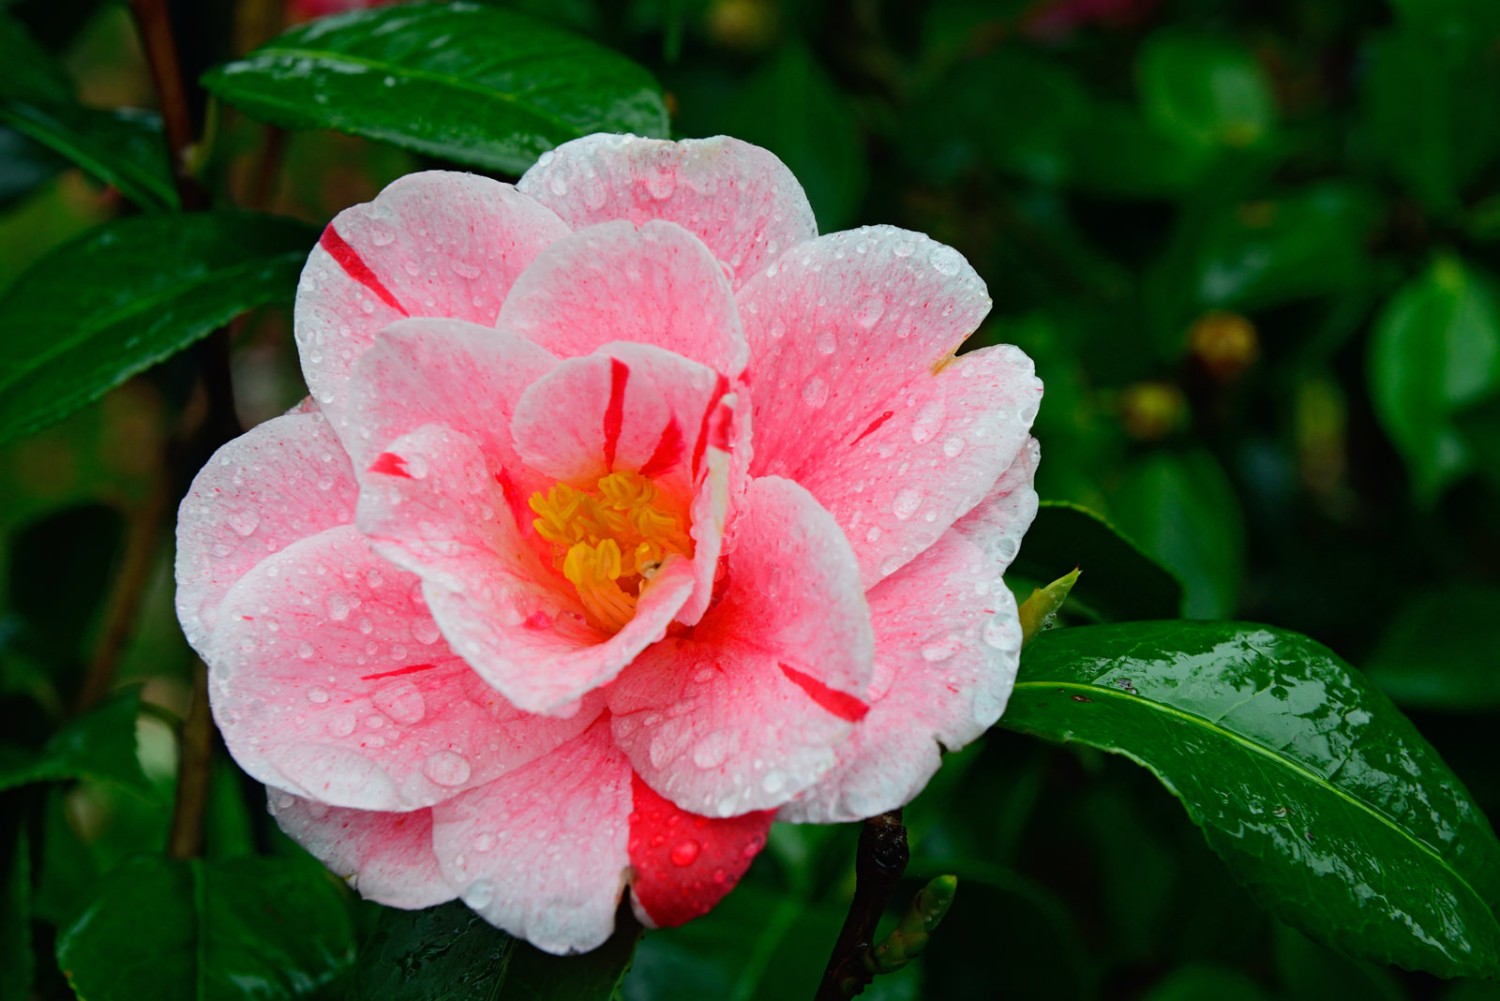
(122,147)
(98,745)
(128,294)
(207,930)
(1438,652)
(474,84)
(1320,796)
(1117,580)
(1205,90)
(1182,510)
(1435,351)
(449,953)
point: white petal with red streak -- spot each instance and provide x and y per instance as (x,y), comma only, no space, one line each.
(432,504)
(947,645)
(438,243)
(738,199)
(656,284)
(746,712)
(873,415)
(282,481)
(330,680)
(541,852)
(386,857)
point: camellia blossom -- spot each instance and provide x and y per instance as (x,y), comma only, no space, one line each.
(627,514)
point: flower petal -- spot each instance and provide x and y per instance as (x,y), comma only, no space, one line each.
(652,284)
(738,199)
(330,680)
(683,863)
(439,243)
(947,645)
(282,481)
(745,712)
(387,857)
(541,852)
(432,504)
(888,430)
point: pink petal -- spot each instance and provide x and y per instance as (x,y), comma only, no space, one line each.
(283,481)
(998,522)
(745,712)
(387,857)
(684,864)
(432,504)
(947,644)
(656,284)
(640,408)
(330,680)
(438,244)
(871,413)
(433,371)
(541,852)
(738,199)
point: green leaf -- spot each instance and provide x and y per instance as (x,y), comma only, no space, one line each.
(98,745)
(792,108)
(1182,510)
(26,70)
(123,147)
(1204,90)
(208,930)
(1435,351)
(474,84)
(1119,155)
(1438,652)
(128,294)
(1320,796)
(1197,982)
(449,953)
(1118,580)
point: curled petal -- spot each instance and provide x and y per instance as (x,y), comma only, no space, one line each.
(738,199)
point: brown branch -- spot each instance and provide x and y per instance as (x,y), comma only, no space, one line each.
(154,22)
(186,838)
(878,866)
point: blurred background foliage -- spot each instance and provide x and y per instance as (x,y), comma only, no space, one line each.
(1252,246)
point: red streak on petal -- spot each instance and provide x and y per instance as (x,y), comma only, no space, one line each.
(721,388)
(668,451)
(409,669)
(390,464)
(841,704)
(355,267)
(538,620)
(684,863)
(873,426)
(614,414)
(519,510)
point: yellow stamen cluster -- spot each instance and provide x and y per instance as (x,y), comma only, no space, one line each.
(609,541)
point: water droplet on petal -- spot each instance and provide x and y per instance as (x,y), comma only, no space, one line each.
(661,184)
(684,853)
(928,422)
(317,696)
(825,342)
(402,703)
(381,235)
(952,445)
(945,260)
(447,768)
(815,392)
(305,651)
(341,724)
(425,631)
(479,894)
(869,312)
(338,606)
(906,503)
(244,521)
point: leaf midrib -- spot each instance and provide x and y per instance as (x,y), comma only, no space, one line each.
(1297,767)
(327,56)
(135,307)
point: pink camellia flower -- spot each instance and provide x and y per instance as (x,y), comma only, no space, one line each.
(627,514)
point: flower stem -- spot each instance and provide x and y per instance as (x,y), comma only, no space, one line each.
(878,867)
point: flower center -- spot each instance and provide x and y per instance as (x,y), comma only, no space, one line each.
(609,541)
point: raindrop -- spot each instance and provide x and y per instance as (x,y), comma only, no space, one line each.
(906,503)
(402,703)
(904,249)
(338,606)
(940,650)
(945,260)
(712,750)
(479,894)
(341,724)
(661,184)
(952,445)
(381,235)
(447,768)
(684,853)
(305,651)
(773,782)
(244,521)
(825,342)
(317,696)
(425,631)
(464,269)
(484,841)
(928,421)
(815,392)
(558,185)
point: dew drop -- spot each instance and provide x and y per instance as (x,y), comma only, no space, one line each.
(940,650)
(447,768)
(305,651)
(660,184)
(381,235)
(815,392)
(904,249)
(317,696)
(712,751)
(825,342)
(558,185)
(906,503)
(869,312)
(684,853)
(773,782)
(952,445)
(464,269)
(402,703)
(425,631)
(479,894)
(341,724)
(928,422)
(338,606)
(945,260)
(244,521)
(484,841)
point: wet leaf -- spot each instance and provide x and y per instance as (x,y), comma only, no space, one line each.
(98,745)
(1435,351)
(208,930)
(1320,796)
(128,294)
(122,147)
(1117,580)
(474,84)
